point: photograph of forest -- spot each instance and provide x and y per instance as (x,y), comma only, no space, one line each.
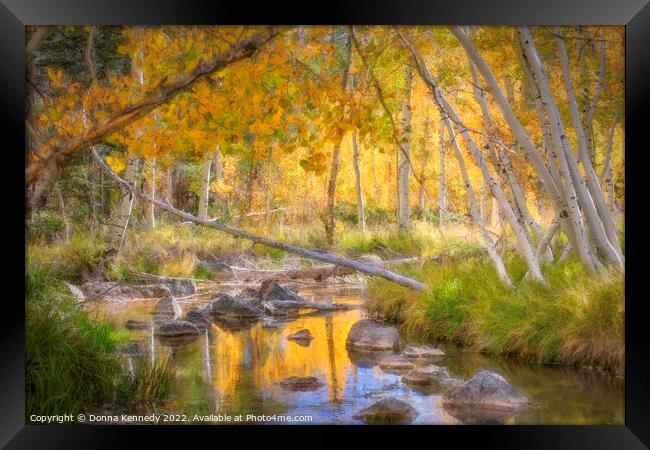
(325,224)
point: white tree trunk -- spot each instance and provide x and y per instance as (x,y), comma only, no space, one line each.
(607,244)
(120,220)
(590,195)
(361,212)
(573,190)
(150,210)
(204,197)
(403,157)
(64,215)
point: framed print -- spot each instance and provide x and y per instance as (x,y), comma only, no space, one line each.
(395,216)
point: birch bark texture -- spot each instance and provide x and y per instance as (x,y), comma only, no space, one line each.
(404,155)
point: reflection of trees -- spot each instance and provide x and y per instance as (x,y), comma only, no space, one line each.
(334,385)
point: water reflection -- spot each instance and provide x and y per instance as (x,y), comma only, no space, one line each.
(236,369)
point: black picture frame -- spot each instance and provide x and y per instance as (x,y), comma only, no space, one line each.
(634,14)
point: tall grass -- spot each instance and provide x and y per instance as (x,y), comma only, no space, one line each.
(71,361)
(574,319)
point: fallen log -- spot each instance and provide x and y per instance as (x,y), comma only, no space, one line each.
(317,255)
(316,273)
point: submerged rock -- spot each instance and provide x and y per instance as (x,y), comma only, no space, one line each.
(368,334)
(424,352)
(167,309)
(301,335)
(386,412)
(225,305)
(427,375)
(301,383)
(177,332)
(137,325)
(486,390)
(395,363)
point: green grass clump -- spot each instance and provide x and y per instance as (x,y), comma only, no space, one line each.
(573,319)
(148,384)
(70,362)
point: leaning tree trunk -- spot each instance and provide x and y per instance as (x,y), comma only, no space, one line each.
(563,201)
(204,197)
(608,242)
(501,162)
(361,212)
(476,215)
(607,173)
(120,220)
(312,254)
(403,157)
(574,192)
(447,110)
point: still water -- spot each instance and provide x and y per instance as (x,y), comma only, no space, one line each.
(233,372)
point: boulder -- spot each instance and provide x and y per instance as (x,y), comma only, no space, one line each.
(424,352)
(137,325)
(272,291)
(177,332)
(386,412)
(226,305)
(251,295)
(199,317)
(301,335)
(166,310)
(427,375)
(301,383)
(368,334)
(395,363)
(486,390)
